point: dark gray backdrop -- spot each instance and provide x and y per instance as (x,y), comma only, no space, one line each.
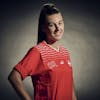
(18,33)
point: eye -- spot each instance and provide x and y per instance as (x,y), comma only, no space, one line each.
(60,23)
(50,25)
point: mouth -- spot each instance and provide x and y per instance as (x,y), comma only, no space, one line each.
(58,33)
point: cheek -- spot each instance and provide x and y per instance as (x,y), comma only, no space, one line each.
(51,30)
(48,30)
(62,27)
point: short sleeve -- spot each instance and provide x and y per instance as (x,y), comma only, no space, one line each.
(29,63)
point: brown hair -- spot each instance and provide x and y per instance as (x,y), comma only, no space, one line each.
(47,9)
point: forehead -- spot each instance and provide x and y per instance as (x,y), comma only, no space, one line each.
(54,17)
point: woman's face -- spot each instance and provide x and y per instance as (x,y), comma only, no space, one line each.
(54,27)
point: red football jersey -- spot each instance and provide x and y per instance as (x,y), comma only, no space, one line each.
(51,72)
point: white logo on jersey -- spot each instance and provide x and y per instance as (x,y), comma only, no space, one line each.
(69,63)
(62,62)
(52,64)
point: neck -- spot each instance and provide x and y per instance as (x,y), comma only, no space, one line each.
(54,44)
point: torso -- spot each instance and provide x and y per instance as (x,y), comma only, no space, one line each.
(54,82)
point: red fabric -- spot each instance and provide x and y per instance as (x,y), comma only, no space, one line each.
(50,70)
(28,65)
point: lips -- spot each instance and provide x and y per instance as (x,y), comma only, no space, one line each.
(58,33)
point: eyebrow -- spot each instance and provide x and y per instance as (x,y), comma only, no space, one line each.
(52,22)
(61,20)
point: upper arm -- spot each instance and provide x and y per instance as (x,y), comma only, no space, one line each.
(28,65)
(14,75)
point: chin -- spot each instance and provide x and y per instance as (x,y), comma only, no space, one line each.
(57,39)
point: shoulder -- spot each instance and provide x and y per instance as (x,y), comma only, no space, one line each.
(40,46)
(64,49)
(33,50)
(36,48)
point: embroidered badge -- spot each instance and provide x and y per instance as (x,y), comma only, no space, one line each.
(62,62)
(52,64)
(69,63)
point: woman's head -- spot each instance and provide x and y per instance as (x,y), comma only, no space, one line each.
(51,26)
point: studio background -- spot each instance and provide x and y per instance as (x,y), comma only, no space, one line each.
(18,33)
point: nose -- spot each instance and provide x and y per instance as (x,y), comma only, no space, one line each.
(57,28)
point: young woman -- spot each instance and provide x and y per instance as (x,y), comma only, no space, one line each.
(48,63)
